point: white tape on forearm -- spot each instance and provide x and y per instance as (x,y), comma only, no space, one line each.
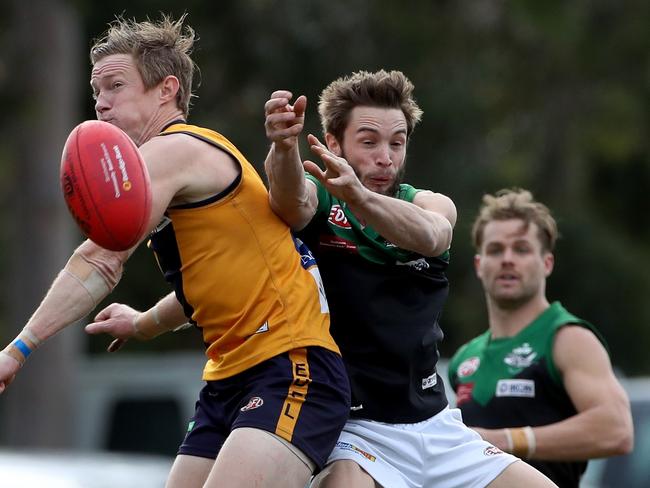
(146,328)
(521,441)
(31,337)
(508,435)
(88,277)
(532,441)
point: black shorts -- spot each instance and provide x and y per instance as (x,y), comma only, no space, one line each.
(302,396)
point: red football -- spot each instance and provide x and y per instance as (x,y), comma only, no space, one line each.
(106,185)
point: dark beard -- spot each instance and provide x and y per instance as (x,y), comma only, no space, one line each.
(399,177)
(393,189)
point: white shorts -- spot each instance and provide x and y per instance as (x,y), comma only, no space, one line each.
(440,452)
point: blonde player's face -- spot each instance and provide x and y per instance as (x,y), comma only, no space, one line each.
(121,98)
(511,263)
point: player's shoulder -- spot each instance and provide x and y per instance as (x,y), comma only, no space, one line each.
(575,335)
(436,202)
(470,348)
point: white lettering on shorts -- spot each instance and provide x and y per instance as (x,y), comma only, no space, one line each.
(346,446)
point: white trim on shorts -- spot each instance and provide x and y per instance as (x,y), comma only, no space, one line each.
(440,452)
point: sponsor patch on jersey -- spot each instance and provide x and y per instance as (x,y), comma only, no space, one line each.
(253,403)
(468,367)
(516,388)
(337,217)
(307,259)
(417,264)
(338,242)
(430,381)
(464,393)
(263,328)
(346,446)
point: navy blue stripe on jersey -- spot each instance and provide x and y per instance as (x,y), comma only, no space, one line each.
(163,243)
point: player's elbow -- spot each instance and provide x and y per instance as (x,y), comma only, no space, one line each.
(108,264)
(619,438)
(295,214)
(622,441)
(439,237)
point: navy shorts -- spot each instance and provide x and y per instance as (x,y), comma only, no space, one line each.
(302,396)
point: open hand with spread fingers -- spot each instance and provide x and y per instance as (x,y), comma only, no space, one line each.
(338,178)
(283,121)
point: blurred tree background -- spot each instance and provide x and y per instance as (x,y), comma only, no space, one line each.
(552,96)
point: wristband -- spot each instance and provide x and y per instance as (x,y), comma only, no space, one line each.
(508,440)
(532,441)
(521,441)
(22,346)
(148,328)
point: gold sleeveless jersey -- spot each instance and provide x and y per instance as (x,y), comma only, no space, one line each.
(242,278)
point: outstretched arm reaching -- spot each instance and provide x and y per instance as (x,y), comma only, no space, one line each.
(89,275)
(424,226)
(291,196)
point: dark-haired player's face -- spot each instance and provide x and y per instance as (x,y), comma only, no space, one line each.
(374,144)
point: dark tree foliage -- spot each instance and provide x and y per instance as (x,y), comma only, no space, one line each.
(552,96)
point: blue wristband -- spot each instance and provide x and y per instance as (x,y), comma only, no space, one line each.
(22,347)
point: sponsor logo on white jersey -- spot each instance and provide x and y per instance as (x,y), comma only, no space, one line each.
(516,388)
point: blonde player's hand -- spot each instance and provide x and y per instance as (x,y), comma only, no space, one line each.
(8,369)
(118,320)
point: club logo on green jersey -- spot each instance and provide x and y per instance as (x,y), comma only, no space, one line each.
(468,367)
(521,357)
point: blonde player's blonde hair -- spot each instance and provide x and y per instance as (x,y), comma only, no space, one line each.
(519,204)
(159,49)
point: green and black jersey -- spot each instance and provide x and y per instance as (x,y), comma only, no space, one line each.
(385,303)
(513,382)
